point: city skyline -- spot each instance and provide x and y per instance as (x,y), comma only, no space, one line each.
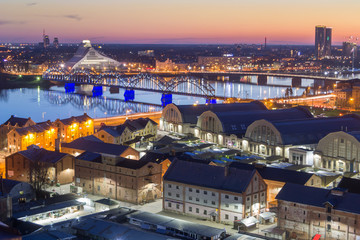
(184,22)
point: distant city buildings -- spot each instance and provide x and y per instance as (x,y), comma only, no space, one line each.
(323,38)
(146,53)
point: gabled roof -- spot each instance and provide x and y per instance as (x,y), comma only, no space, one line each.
(350,184)
(313,196)
(16,120)
(38,128)
(190,113)
(42,155)
(132,164)
(77,119)
(276,174)
(97,146)
(199,174)
(311,131)
(90,156)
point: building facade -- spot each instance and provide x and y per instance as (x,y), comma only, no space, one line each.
(339,151)
(42,135)
(123,179)
(11,123)
(130,133)
(214,193)
(306,211)
(73,128)
(60,166)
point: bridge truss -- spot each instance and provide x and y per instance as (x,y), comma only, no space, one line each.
(182,85)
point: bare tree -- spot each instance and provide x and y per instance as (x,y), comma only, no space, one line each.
(38,175)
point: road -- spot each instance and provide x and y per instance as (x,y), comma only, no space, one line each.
(113,121)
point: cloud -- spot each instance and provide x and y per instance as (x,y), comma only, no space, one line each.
(73,16)
(6,22)
(31,4)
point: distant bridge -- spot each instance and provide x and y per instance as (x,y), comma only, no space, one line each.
(267,74)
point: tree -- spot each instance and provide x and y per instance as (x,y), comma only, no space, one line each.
(38,175)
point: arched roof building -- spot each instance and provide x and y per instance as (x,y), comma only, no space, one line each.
(269,137)
(339,151)
(183,118)
(227,128)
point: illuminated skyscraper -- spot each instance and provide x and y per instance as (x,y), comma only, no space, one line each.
(46,40)
(323,36)
(56,42)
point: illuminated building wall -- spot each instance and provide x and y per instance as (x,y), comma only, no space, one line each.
(42,135)
(12,123)
(75,127)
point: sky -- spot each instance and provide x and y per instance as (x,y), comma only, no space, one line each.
(177,21)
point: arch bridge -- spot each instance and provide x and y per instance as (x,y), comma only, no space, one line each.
(182,85)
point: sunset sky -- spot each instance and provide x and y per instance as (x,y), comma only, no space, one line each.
(177,21)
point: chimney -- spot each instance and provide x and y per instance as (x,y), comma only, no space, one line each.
(57,145)
(226,170)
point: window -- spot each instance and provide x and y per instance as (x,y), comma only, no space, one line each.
(190,209)
(226,205)
(197,199)
(328,218)
(226,216)
(339,219)
(110,190)
(98,188)
(236,198)
(304,212)
(205,192)
(190,189)
(319,215)
(235,218)
(262,194)
(177,206)
(169,193)
(213,194)
(285,209)
(190,198)
(227,196)
(294,204)
(169,185)
(197,210)
(213,202)
(197,191)
(177,195)
(205,212)
(248,199)
(236,207)
(205,201)
(329,209)
(177,187)
(255,196)
(169,204)
(329,227)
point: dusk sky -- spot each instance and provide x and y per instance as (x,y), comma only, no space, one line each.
(177,21)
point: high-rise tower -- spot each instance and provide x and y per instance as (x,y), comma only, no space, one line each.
(56,42)
(323,37)
(46,40)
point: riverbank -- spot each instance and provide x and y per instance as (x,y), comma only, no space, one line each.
(10,81)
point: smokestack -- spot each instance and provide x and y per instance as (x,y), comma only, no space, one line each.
(226,170)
